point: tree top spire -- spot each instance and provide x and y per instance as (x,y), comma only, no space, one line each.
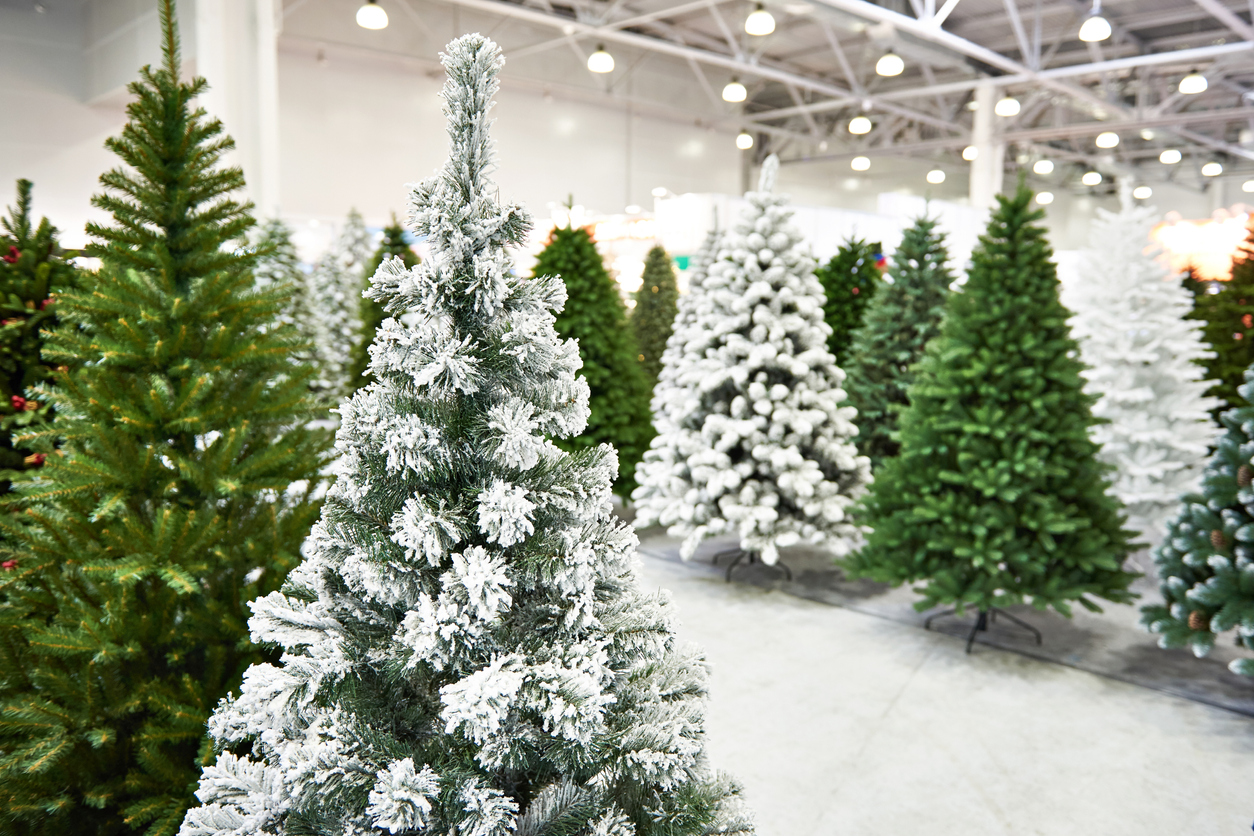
(169,38)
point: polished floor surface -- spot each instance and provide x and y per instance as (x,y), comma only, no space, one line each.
(842,723)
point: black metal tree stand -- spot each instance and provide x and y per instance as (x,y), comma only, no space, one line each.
(739,555)
(982,622)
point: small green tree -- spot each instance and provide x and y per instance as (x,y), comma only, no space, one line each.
(901,320)
(850,281)
(997,497)
(372,313)
(32,269)
(1206,562)
(183,489)
(596,316)
(653,318)
(278,268)
(1229,329)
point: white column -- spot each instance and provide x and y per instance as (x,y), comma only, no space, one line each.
(989,164)
(236,51)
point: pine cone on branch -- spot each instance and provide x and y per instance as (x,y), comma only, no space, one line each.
(1217,539)
(1198,620)
(1244,476)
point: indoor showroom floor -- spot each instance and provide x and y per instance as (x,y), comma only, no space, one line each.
(852,722)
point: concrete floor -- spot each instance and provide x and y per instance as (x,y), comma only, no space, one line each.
(842,723)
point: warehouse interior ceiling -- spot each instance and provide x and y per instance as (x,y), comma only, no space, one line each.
(805,81)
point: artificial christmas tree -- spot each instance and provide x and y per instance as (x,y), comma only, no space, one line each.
(465,648)
(32,269)
(1206,562)
(596,316)
(902,318)
(394,245)
(653,318)
(850,280)
(763,448)
(1142,353)
(335,287)
(670,394)
(182,489)
(997,497)
(278,267)
(1229,329)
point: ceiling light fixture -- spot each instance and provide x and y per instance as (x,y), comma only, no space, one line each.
(1091,178)
(860,125)
(1043,167)
(372,16)
(1170,157)
(744,140)
(1095,27)
(936,177)
(1107,139)
(1212,170)
(860,163)
(1142,192)
(759,22)
(1044,198)
(890,64)
(1247,186)
(601,61)
(970,153)
(660,191)
(1147,134)
(1008,106)
(735,91)
(1193,83)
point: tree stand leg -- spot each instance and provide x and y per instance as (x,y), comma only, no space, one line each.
(739,555)
(981,623)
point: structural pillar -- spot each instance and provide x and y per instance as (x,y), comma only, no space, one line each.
(237,52)
(989,165)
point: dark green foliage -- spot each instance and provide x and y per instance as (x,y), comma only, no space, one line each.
(1229,328)
(996,497)
(1206,562)
(33,268)
(596,316)
(850,281)
(1200,288)
(182,489)
(653,318)
(901,320)
(372,313)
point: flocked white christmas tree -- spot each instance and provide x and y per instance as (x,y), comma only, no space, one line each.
(465,650)
(1130,322)
(761,444)
(668,395)
(334,302)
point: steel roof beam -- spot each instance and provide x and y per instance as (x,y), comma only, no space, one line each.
(1227,17)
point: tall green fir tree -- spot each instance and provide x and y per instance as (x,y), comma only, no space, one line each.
(33,270)
(179,484)
(394,245)
(596,316)
(1205,564)
(1229,329)
(466,649)
(653,317)
(903,317)
(997,497)
(850,280)
(278,268)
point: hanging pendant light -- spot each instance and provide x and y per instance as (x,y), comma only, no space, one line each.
(860,125)
(1007,106)
(759,22)
(1107,139)
(372,16)
(744,140)
(1095,27)
(890,64)
(1193,83)
(735,91)
(601,61)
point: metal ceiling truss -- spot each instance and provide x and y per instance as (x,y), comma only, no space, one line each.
(816,72)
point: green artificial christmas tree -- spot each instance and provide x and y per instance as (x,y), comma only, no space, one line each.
(850,281)
(278,268)
(596,316)
(653,318)
(372,313)
(181,490)
(32,269)
(1206,562)
(996,497)
(1229,329)
(903,317)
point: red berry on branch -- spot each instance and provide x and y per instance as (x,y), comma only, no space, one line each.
(35,459)
(855,291)
(45,303)
(14,255)
(8,564)
(19,403)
